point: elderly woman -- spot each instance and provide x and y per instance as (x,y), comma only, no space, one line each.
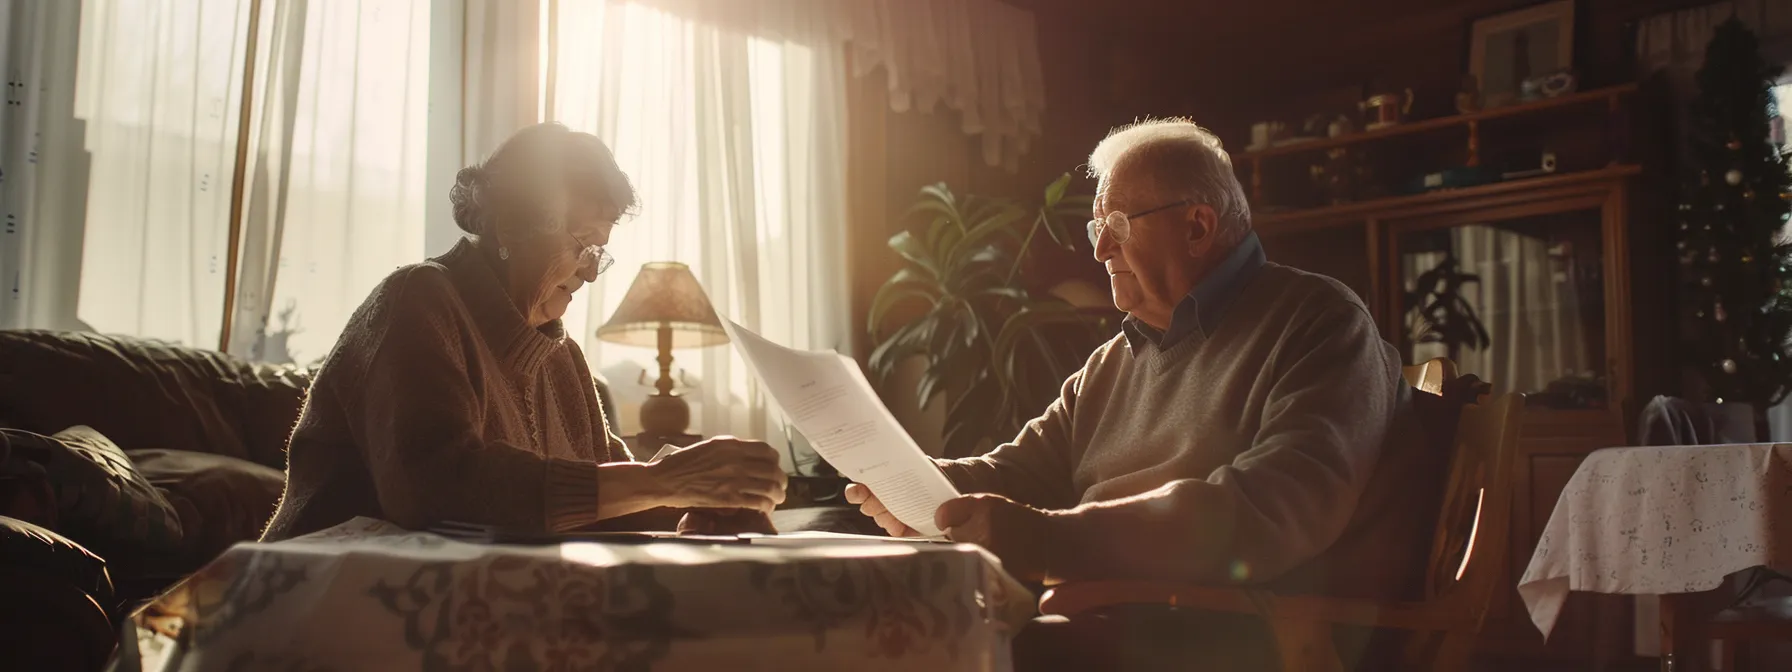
(455,395)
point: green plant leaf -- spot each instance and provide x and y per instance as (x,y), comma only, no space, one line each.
(905,342)
(1067,223)
(929,386)
(984,268)
(937,200)
(1009,293)
(944,326)
(1022,324)
(998,225)
(975,209)
(939,193)
(972,416)
(936,231)
(905,284)
(1054,192)
(915,252)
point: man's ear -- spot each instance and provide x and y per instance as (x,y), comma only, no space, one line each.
(1204,228)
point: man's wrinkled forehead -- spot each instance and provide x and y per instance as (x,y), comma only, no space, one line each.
(1119,187)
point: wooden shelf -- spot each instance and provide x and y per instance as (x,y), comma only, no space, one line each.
(1307,218)
(1608,94)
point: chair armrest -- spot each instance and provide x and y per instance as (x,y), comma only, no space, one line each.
(1072,598)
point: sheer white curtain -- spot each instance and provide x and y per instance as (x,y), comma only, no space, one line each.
(336,190)
(735,143)
(42,167)
(333,188)
(159,84)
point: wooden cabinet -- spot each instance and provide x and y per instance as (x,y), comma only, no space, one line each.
(1528,284)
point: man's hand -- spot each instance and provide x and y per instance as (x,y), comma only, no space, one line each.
(871,506)
(1022,536)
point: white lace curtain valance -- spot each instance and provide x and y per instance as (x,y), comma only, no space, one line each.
(979,58)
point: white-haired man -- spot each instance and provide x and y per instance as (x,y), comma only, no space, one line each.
(1249,425)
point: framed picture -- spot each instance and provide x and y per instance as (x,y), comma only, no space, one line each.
(1507,49)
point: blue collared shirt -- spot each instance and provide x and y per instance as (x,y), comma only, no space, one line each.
(1201,310)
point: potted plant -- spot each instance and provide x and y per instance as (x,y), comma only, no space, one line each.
(996,350)
(1437,311)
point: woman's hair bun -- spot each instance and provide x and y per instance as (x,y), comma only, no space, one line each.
(469,184)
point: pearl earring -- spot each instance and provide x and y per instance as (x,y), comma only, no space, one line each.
(504,253)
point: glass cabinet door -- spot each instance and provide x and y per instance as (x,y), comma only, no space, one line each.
(1519,302)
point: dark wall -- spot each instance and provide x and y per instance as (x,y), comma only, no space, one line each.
(1282,58)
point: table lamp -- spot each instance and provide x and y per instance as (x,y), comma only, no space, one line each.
(665,308)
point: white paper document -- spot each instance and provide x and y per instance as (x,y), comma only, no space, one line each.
(810,538)
(828,399)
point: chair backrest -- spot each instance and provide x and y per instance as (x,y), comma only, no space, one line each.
(1476,513)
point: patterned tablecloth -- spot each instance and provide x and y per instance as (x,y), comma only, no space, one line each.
(1662,520)
(369,595)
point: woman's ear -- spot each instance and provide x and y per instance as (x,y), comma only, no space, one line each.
(497,242)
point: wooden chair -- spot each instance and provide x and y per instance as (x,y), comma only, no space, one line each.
(1460,583)
(1431,376)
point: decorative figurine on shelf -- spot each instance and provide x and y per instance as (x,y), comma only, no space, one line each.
(1340,127)
(1315,126)
(1468,97)
(1386,109)
(1558,83)
(1264,134)
(1530,89)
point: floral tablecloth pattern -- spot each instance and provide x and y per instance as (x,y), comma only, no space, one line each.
(1661,520)
(370,595)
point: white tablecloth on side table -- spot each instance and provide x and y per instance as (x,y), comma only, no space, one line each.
(369,595)
(1661,520)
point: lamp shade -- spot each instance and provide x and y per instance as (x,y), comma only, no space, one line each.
(664,293)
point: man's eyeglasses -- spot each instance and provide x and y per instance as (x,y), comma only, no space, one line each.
(595,255)
(1118,225)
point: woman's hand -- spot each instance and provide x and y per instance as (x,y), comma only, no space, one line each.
(725,522)
(720,473)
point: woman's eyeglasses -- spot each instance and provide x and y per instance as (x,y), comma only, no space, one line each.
(595,255)
(1118,225)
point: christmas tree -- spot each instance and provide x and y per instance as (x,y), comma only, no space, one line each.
(1732,212)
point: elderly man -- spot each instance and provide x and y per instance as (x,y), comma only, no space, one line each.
(1249,424)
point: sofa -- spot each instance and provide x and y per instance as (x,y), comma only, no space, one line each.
(126,464)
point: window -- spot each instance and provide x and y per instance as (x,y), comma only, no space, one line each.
(333,179)
(734,143)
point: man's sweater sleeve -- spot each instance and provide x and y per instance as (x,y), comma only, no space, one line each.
(417,417)
(1285,499)
(1033,469)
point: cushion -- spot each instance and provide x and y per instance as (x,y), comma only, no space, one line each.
(24,546)
(25,492)
(102,501)
(150,394)
(220,500)
(57,597)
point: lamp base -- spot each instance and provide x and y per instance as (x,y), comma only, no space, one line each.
(665,414)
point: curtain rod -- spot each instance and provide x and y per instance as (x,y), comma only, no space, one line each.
(236,179)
